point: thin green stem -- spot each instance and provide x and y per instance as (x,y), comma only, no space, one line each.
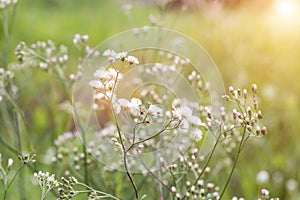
(129,175)
(156,177)
(234,162)
(85,165)
(6,36)
(149,138)
(206,164)
(97,191)
(11,181)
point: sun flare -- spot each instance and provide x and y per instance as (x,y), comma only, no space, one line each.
(285,8)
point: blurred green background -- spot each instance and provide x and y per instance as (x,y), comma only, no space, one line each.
(256,42)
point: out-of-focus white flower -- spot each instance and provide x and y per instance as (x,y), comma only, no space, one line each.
(195,120)
(43,65)
(99,96)
(124,103)
(96,84)
(176,112)
(76,38)
(186,112)
(110,54)
(85,38)
(262,177)
(98,73)
(291,185)
(134,106)
(184,126)
(155,111)
(135,103)
(265,193)
(132,60)
(197,135)
(152,20)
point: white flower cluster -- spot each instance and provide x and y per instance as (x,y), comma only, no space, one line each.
(42,54)
(6,3)
(123,56)
(80,38)
(62,138)
(106,81)
(4,76)
(46,181)
(134,106)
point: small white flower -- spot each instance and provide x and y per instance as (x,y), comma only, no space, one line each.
(72,76)
(124,103)
(184,125)
(85,38)
(98,73)
(65,57)
(155,111)
(76,38)
(176,112)
(132,60)
(173,189)
(109,53)
(121,55)
(99,96)
(186,112)
(134,106)
(43,65)
(135,103)
(198,135)
(10,162)
(195,120)
(265,193)
(96,84)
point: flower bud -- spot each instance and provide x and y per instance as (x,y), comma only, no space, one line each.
(255,103)
(231,89)
(225,97)
(254,89)
(10,163)
(245,93)
(259,114)
(173,189)
(264,130)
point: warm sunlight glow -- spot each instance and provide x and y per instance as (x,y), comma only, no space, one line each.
(285,7)
(284,16)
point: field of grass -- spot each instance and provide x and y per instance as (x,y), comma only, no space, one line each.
(248,44)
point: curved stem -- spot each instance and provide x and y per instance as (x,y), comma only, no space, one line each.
(123,147)
(130,176)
